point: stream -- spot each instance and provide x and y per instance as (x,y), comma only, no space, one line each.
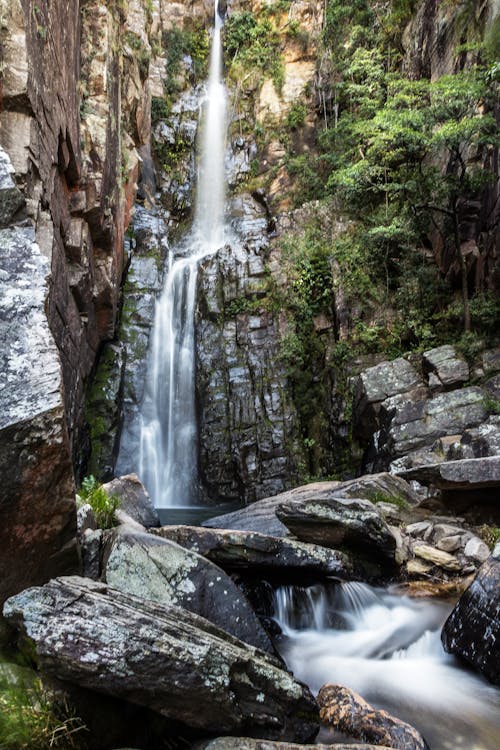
(387,647)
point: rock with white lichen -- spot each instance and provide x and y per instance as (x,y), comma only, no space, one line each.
(162,571)
(163,657)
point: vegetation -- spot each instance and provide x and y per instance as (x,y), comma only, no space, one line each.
(252,47)
(31,720)
(103,505)
(489,534)
(187,51)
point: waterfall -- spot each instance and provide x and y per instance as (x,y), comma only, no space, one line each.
(168,449)
(388,649)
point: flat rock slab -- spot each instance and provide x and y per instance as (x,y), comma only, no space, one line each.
(246,743)
(436,557)
(446,365)
(348,522)
(251,551)
(345,710)
(472,631)
(466,474)
(163,657)
(162,571)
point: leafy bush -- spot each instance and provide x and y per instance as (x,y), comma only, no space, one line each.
(253,46)
(30,720)
(103,505)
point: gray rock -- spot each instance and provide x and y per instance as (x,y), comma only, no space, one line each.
(467,474)
(449,543)
(477,442)
(340,522)
(254,552)
(85,519)
(245,743)
(11,198)
(436,557)
(476,550)
(162,657)
(443,362)
(91,542)
(347,712)
(134,499)
(37,493)
(472,631)
(491,360)
(418,529)
(162,571)
(418,424)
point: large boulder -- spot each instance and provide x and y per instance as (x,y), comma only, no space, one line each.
(472,631)
(134,499)
(445,368)
(162,657)
(160,570)
(246,743)
(347,712)
(466,474)
(340,522)
(253,552)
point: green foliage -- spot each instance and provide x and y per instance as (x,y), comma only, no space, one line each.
(103,505)
(30,720)
(296,116)
(379,496)
(253,47)
(489,534)
(159,109)
(141,53)
(183,43)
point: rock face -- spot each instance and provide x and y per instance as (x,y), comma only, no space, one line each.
(162,571)
(162,657)
(470,474)
(37,489)
(245,743)
(349,713)
(472,631)
(259,553)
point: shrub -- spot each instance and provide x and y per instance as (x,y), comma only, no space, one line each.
(30,720)
(103,505)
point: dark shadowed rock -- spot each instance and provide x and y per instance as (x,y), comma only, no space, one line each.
(134,499)
(162,571)
(348,522)
(162,657)
(449,369)
(251,551)
(472,631)
(349,713)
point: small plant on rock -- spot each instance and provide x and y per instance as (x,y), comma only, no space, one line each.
(103,504)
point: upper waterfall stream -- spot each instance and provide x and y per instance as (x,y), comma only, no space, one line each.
(388,649)
(168,450)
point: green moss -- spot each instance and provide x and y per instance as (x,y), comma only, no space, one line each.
(379,496)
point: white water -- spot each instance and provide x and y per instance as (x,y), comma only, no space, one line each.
(168,455)
(388,649)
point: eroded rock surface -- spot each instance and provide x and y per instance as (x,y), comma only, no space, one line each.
(134,500)
(162,657)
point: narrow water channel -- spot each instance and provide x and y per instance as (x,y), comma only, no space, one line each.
(387,648)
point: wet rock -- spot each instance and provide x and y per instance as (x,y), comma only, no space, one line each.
(340,522)
(349,713)
(134,499)
(162,657)
(448,368)
(254,552)
(162,571)
(472,631)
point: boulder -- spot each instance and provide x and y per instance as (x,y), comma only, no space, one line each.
(347,522)
(466,474)
(163,657)
(134,499)
(436,557)
(472,631)
(11,198)
(246,743)
(254,552)
(162,571)
(347,712)
(449,369)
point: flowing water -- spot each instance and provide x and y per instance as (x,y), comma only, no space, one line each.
(388,649)
(168,455)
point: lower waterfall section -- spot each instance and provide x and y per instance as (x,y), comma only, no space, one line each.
(388,649)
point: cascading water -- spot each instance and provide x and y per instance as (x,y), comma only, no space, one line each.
(388,649)
(168,458)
